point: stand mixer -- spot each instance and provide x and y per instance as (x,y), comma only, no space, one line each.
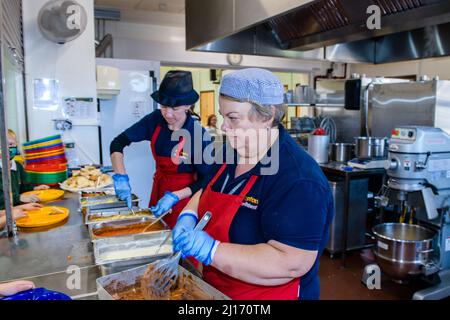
(419,185)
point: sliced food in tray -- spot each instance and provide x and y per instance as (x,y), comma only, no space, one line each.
(106,201)
(119,214)
(94,194)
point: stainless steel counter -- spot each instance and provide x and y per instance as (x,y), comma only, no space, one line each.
(338,166)
(336,169)
(59,258)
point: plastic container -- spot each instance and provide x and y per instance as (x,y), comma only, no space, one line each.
(58,146)
(41,141)
(45,161)
(38,294)
(45,178)
(54,168)
(71,153)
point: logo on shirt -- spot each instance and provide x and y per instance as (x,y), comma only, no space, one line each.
(182,156)
(251,203)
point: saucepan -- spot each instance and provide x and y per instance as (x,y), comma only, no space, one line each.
(370,147)
(341,152)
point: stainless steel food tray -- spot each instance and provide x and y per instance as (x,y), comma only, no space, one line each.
(129,277)
(100,225)
(106,202)
(109,214)
(106,191)
(120,253)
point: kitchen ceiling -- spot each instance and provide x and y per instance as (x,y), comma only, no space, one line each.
(170,6)
(335,30)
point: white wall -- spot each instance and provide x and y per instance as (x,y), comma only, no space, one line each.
(430,67)
(73,64)
(168,43)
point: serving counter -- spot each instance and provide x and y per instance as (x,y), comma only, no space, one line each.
(62,257)
(58,258)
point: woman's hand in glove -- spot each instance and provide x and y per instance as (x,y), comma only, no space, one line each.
(197,244)
(165,204)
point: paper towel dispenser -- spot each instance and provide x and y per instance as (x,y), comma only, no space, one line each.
(108,82)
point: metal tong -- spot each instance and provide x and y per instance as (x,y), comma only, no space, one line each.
(166,270)
(157,220)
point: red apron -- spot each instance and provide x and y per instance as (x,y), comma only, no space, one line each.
(223,208)
(167,178)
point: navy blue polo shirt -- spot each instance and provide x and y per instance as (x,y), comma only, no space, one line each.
(197,152)
(294,206)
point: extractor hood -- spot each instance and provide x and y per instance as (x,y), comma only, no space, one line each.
(334,30)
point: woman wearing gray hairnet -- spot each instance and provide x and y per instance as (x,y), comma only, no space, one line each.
(271,209)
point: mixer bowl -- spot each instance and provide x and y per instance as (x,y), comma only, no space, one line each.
(401,249)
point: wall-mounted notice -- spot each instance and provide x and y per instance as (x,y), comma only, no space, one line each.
(138,110)
(80,109)
(46,94)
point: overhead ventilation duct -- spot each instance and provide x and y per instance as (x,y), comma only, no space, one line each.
(107,14)
(333,30)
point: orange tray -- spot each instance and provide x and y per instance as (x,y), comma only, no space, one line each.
(46,195)
(43,217)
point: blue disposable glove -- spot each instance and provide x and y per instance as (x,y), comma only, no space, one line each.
(165,204)
(122,187)
(197,244)
(186,222)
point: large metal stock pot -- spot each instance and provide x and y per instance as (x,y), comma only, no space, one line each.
(370,147)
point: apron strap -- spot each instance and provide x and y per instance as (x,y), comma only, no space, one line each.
(248,186)
(179,147)
(218,174)
(244,191)
(154,139)
(179,150)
